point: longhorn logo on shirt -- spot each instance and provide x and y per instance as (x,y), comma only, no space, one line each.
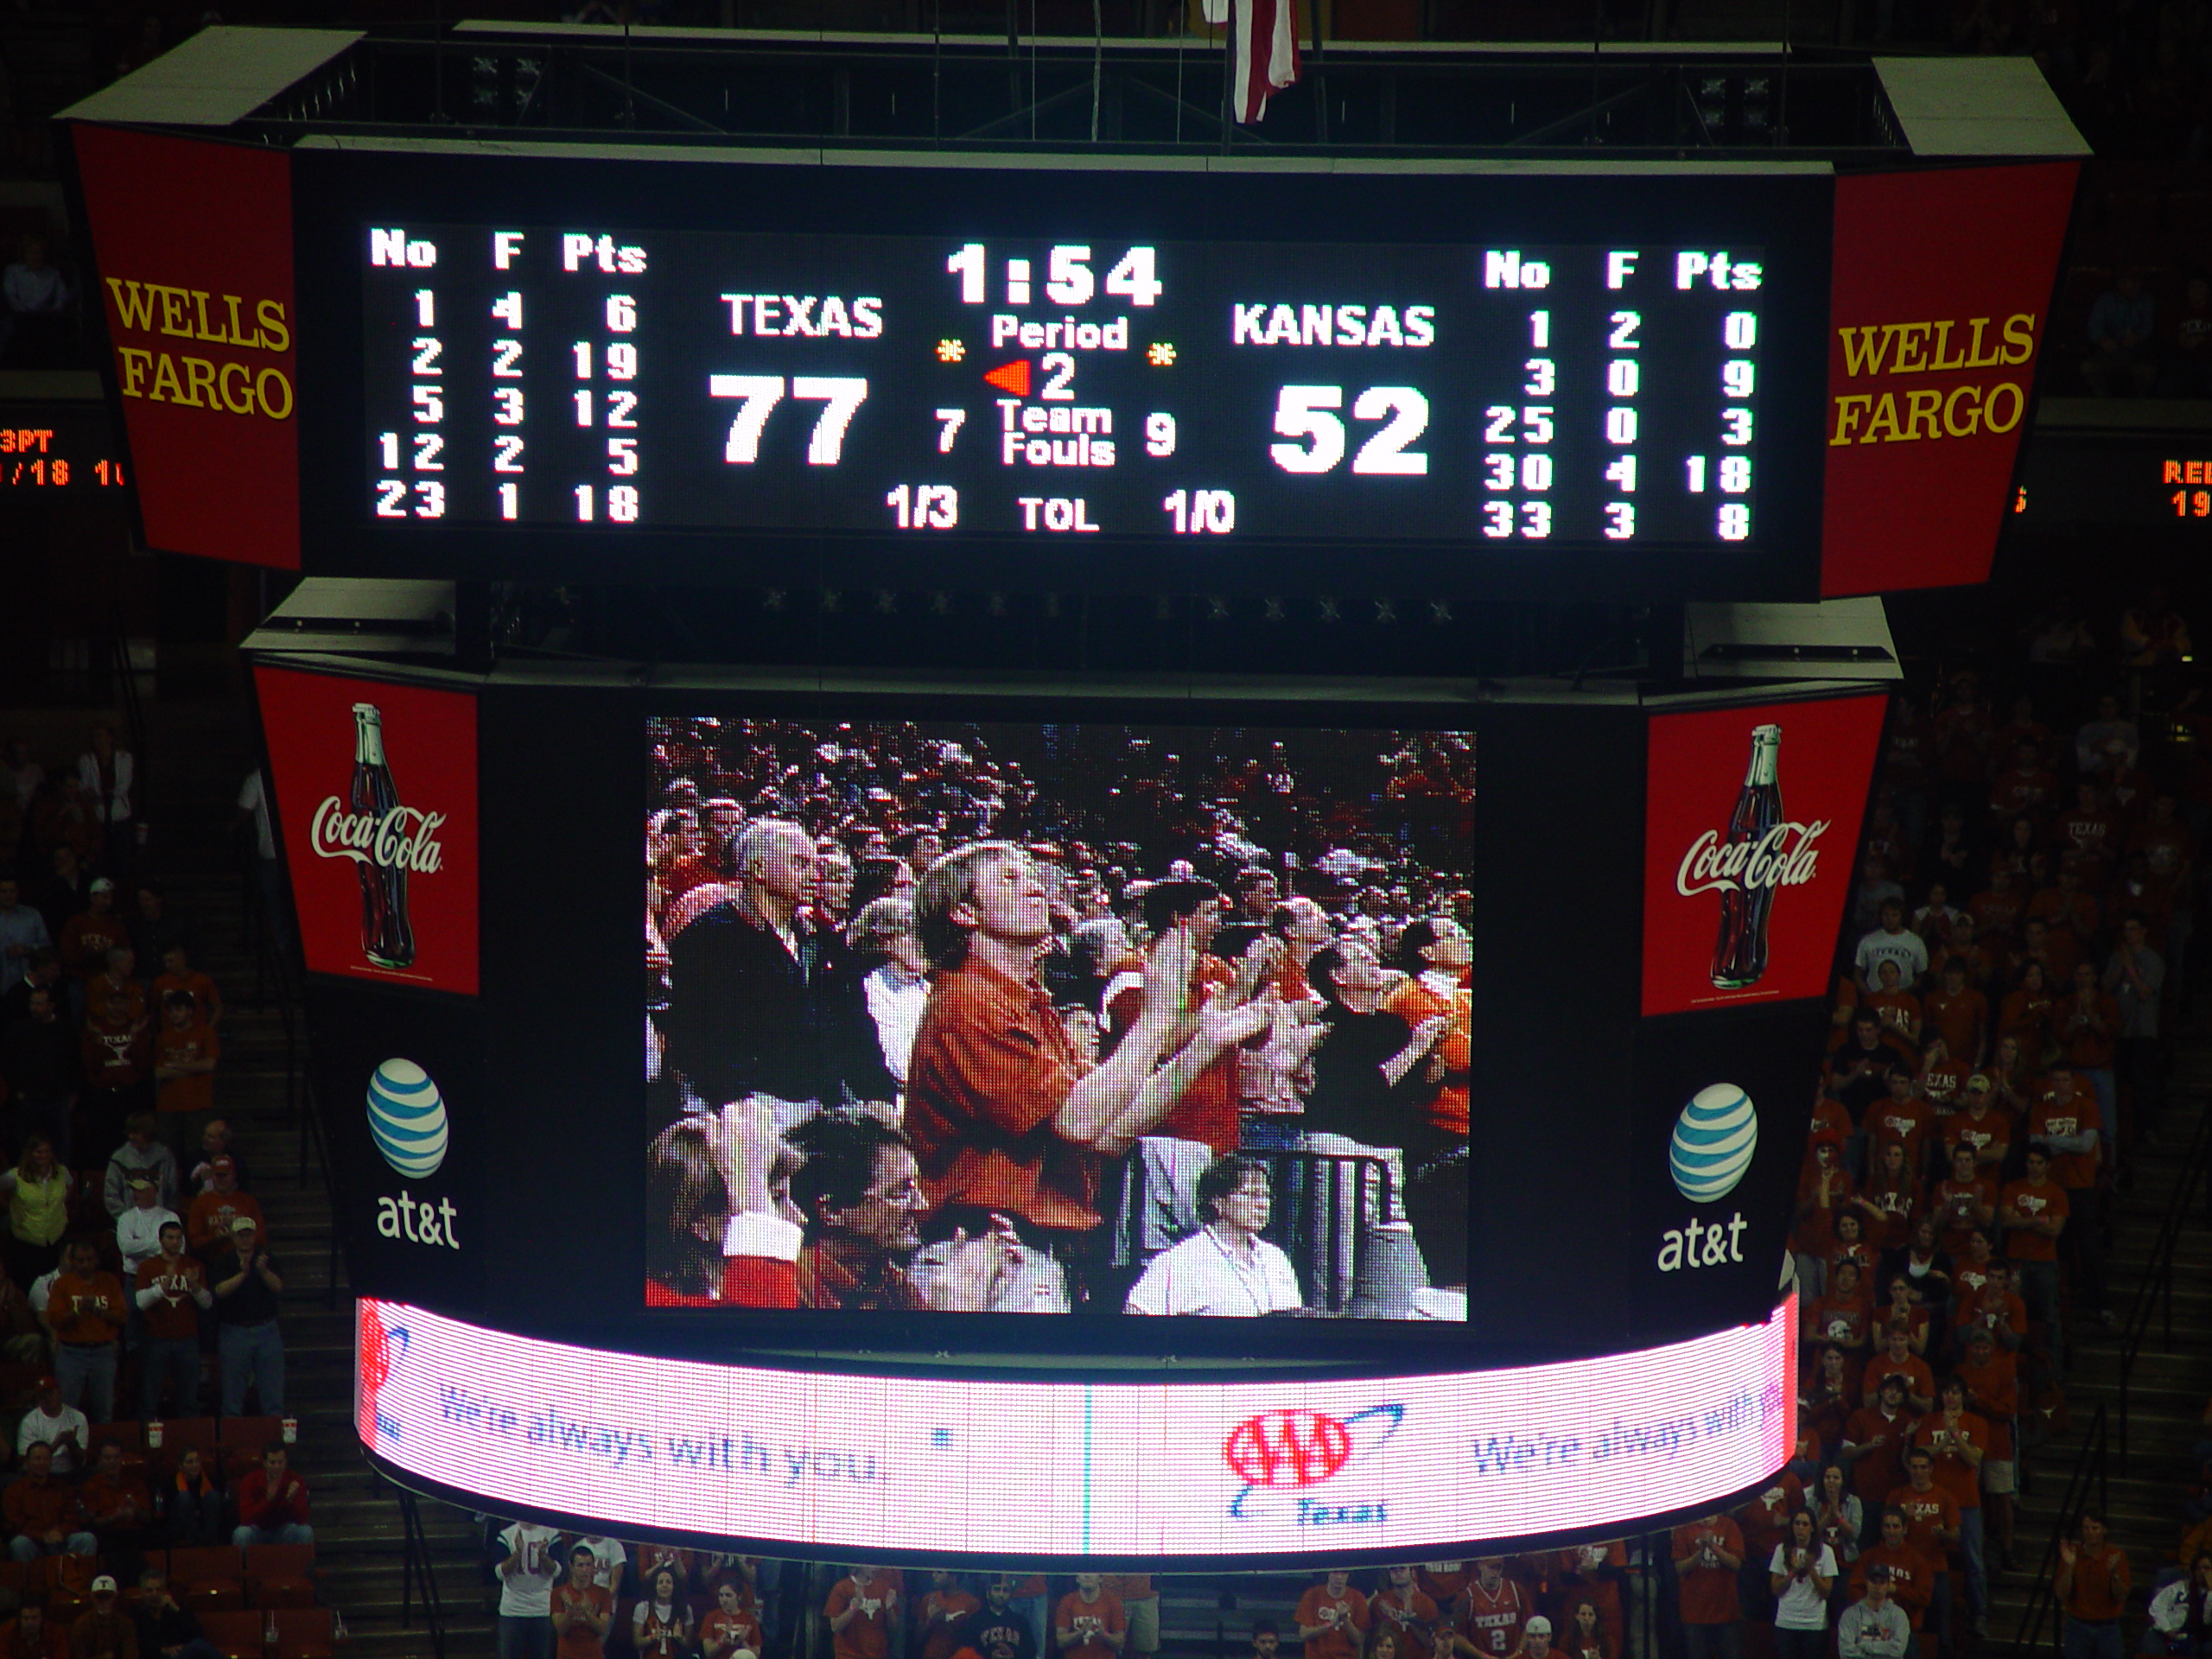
(1293,1449)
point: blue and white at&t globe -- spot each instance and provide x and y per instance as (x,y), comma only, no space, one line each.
(407,1118)
(1714,1139)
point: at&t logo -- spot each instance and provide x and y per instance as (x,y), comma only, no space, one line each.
(1284,1452)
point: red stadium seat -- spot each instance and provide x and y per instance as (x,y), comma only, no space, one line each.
(236,1635)
(130,1436)
(179,1432)
(280,1575)
(252,1433)
(209,1579)
(304,1633)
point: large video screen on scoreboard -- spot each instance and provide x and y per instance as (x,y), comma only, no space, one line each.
(1530,382)
(981,1017)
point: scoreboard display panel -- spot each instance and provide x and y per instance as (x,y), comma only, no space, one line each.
(1552,382)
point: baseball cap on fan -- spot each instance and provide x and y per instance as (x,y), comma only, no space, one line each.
(101,884)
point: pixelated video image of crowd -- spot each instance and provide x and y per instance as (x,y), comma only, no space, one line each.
(1083,1018)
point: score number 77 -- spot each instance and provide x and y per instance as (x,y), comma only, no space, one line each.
(840,394)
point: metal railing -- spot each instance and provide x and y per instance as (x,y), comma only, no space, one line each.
(2154,1296)
(2091,1469)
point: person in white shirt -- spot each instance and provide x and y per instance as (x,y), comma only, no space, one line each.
(49,1422)
(1891,942)
(138,1229)
(526,1578)
(1225,1267)
(1801,1573)
(2170,1608)
(899,990)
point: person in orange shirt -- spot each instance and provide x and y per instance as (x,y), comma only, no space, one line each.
(1981,1123)
(862,1610)
(1089,1624)
(582,1611)
(1889,1203)
(1140,1605)
(1207,1111)
(2065,1117)
(1401,1609)
(1487,1621)
(1893,1003)
(2091,1586)
(1896,1358)
(1912,1575)
(1333,1618)
(1993,1385)
(1901,1115)
(1965,1200)
(1438,957)
(208,1224)
(730,1630)
(1958,1441)
(85,1311)
(1958,1013)
(186,1049)
(1931,1526)
(179,975)
(2033,1212)
(1594,1573)
(1708,1554)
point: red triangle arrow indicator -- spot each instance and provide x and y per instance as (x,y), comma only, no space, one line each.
(1010,376)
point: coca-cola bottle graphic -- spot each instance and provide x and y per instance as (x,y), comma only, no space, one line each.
(1739,953)
(387,937)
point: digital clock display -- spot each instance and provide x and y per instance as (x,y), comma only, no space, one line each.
(620,379)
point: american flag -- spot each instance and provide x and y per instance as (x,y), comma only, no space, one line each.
(1263,50)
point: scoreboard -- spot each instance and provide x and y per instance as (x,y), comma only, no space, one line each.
(947,371)
(1555,397)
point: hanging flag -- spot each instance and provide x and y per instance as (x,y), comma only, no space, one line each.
(1263,50)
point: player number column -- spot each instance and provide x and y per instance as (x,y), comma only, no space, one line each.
(1527,427)
(422,449)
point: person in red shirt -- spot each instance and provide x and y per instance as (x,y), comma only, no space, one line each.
(1912,1576)
(2032,1213)
(1963,1200)
(1981,1123)
(1958,1441)
(1089,1623)
(1708,1554)
(730,1630)
(1401,1608)
(1487,1618)
(1824,1191)
(1594,1575)
(1993,1308)
(1824,1395)
(1874,1442)
(273,1505)
(1905,1308)
(1890,1200)
(1897,1359)
(2066,1118)
(2091,1586)
(1993,1385)
(947,1615)
(1894,1004)
(582,1611)
(1931,1527)
(1903,1117)
(1845,1317)
(1942,1078)
(30,1636)
(862,1610)
(1333,1618)
(1191,909)
(1958,1013)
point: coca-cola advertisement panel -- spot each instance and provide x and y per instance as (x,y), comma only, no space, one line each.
(1751,818)
(375,785)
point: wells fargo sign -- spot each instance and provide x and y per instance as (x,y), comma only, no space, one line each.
(1936,311)
(193,242)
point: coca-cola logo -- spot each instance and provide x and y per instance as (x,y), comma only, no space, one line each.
(1783,857)
(404,838)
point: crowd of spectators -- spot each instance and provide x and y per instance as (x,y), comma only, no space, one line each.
(135,1254)
(1054,1018)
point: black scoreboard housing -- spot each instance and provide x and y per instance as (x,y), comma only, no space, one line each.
(1783,210)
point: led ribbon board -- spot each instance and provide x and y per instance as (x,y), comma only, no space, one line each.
(902,1464)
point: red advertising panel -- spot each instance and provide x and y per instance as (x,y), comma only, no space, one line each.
(1936,313)
(375,795)
(193,243)
(1749,819)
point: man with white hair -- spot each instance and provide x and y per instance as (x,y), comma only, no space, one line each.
(758,1002)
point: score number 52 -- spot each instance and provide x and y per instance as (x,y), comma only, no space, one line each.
(1304,414)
